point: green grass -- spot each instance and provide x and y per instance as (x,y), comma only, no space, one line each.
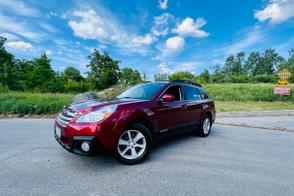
(237,106)
(229,97)
(32,103)
(246,92)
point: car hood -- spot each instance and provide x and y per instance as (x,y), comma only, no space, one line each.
(100,103)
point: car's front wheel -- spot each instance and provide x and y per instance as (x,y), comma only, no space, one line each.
(134,144)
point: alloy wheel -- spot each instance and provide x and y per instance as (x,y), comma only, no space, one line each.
(206,126)
(131,144)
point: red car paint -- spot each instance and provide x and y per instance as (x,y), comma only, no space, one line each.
(156,115)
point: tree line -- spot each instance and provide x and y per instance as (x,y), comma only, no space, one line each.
(239,68)
(38,75)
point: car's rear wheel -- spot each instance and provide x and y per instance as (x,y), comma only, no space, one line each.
(205,127)
(134,144)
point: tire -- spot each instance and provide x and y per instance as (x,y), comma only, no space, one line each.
(134,150)
(205,127)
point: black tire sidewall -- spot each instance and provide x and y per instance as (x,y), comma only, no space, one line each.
(142,129)
(201,130)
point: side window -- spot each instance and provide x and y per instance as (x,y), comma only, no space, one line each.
(203,94)
(175,91)
(191,93)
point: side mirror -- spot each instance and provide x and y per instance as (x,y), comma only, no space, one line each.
(167,98)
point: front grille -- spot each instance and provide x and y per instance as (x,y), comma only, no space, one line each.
(66,116)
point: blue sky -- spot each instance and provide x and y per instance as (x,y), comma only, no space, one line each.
(154,36)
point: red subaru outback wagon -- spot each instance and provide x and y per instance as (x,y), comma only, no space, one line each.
(128,123)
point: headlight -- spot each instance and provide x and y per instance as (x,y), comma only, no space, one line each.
(97,115)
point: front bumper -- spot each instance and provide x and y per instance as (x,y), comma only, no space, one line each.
(75,146)
(72,141)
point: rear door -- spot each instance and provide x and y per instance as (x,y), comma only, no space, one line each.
(192,100)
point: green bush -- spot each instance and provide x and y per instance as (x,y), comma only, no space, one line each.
(3,89)
(75,87)
(266,78)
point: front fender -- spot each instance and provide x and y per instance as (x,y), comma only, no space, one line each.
(132,115)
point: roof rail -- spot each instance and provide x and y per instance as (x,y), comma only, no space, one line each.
(188,82)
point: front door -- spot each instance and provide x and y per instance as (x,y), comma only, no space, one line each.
(170,115)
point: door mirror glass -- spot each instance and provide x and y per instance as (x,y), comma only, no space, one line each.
(167,98)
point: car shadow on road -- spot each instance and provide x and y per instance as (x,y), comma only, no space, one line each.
(163,145)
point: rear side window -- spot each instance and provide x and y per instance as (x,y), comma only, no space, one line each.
(203,94)
(191,93)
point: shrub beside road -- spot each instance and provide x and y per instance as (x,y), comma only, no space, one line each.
(32,103)
(229,97)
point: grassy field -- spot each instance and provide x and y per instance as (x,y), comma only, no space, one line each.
(229,97)
(237,106)
(246,92)
(32,103)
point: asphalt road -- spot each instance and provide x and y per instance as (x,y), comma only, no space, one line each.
(231,161)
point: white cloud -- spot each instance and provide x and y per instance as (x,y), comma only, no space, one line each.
(146,40)
(173,67)
(189,27)
(252,38)
(20,45)
(163,4)
(90,26)
(104,27)
(164,68)
(277,11)
(20,28)
(175,44)
(48,52)
(18,8)
(48,27)
(9,36)
(160,24)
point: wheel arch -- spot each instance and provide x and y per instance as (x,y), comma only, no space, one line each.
(144,121)
(209,113)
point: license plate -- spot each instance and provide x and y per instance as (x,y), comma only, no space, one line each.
(58,132)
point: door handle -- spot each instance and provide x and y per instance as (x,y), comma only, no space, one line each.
(184,107)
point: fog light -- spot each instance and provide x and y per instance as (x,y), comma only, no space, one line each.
(85,146)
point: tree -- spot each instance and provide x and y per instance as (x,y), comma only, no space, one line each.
(72,74)
(270,62)
(204,77)
(130,76)
(8,67)
(42,77)
(183,75)
(25,68)
(238,68)
(217,74)
(234,65)
(104,70)
(229,65)
(252,64)
(160,77)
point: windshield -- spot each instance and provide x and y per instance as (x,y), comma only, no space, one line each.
(142,91)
